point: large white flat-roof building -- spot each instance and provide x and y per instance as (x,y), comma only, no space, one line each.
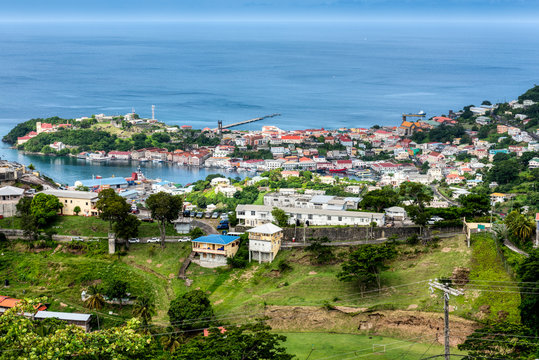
(255,215)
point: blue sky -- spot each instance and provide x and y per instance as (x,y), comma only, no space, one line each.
(261,9)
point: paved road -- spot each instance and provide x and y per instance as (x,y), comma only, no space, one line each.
(207,228)
(440,195)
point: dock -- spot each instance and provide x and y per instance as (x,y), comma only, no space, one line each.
(220,125)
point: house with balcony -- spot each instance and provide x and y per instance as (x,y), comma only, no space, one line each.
(264,242)
(214,249)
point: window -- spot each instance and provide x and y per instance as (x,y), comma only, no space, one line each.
(66,201)
(329,217)
(340,218)
(71,201)
(86,204)
(253,213)
(310,217)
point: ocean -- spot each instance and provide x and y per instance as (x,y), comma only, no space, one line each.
(315,74)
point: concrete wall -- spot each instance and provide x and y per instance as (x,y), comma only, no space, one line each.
(354,233)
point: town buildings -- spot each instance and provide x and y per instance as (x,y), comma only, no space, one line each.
(264,242)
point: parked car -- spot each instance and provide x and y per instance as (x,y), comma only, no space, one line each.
(200,215)
(153,240)
(207,215)
(193,214)
(147,219)
(135,211)
(77,238)
(93,239)
(134,240)
(224,216)
(184,239)
(222,226)
(433,220)
(215,215)
(186,213)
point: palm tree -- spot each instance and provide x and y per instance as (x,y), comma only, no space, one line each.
(95,300)
(520,225)
(170,342)
(144,309)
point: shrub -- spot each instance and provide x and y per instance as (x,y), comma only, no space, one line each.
(412,240)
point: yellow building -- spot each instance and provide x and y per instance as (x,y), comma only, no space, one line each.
(213,250)
(71,199)
(264,242)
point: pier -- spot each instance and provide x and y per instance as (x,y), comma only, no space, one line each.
(220,125)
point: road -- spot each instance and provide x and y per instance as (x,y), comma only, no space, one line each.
(441,196)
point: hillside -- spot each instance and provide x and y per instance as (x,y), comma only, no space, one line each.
(285,297)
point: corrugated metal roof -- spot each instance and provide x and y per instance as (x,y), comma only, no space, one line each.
(62,316)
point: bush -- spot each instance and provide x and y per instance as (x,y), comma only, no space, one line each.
(412,240)
(283,266)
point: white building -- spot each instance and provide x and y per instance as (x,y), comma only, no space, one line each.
(264,242)
(9,197)
(255,215)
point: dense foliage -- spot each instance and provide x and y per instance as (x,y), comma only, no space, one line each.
(22,338)
(191,310)
(246,342)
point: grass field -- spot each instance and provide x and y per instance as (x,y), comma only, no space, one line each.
(87,226)
(319,346)
(63,274)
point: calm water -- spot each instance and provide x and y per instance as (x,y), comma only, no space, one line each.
(315,75)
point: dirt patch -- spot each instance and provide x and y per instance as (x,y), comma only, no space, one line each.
(248,275)
(131,256)
(350,310)
(412,307)
(171,276)
(397,323)
(149,261)
(460,276)
(63,305)
(446,250)
(312,273)
(218,302)
(158,265)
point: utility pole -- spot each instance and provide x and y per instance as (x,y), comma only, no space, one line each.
(446,292)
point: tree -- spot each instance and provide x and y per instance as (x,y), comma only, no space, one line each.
(505,340)
(144,309)
(320,252)
(31,167)
(191,310)
(280,216)
(127,227)
(112,207)
(379,199)
(77,210)
(44,208)
(528,273)
(164,208)
(95,300)
(475,204)
(233,219)
(196,232)
(520,225)
(365,265)
(116,289)
(504,172)
(245,342)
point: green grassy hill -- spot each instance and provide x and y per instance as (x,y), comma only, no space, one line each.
(245,294)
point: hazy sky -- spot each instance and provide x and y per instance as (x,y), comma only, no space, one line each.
(261,9)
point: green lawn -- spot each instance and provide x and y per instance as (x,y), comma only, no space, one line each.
(345,346)
(87,226)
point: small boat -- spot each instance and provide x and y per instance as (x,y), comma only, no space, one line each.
(337,171)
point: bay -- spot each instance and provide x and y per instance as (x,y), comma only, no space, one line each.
(353,74)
